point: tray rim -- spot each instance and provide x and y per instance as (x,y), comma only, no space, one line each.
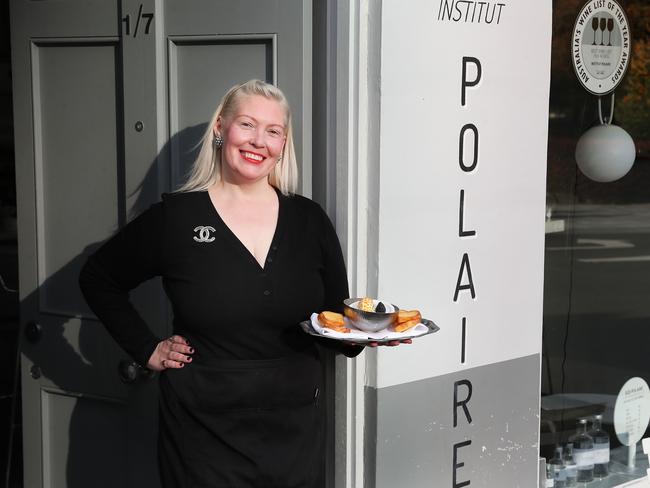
(309,329)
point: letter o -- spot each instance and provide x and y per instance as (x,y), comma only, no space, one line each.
(461,147)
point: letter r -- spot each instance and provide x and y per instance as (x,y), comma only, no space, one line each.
(462,403)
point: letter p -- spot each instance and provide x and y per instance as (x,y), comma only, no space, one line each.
(469,83)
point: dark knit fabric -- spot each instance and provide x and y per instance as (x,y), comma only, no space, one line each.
(246,411)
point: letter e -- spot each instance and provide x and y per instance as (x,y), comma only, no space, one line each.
(457,465)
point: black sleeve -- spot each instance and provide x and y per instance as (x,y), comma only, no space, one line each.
(130,257)
(335,279)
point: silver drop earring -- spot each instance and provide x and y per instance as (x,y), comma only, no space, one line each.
(217,141)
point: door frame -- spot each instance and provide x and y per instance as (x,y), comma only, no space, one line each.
(345,176)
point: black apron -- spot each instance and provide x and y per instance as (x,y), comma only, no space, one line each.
(240,424)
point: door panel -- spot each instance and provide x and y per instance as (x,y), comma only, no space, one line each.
(195,86)
(289,22)
(102,424)
(70,168)
(75,140)
(65,18)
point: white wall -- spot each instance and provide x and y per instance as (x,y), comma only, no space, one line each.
(399,115)
(419,248)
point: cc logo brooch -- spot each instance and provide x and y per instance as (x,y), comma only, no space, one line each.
(204,233)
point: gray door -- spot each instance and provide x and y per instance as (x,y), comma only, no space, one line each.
(110,99)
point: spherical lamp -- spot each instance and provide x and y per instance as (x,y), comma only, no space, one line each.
(605,153)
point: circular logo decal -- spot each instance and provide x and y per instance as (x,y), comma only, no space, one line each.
(600,47)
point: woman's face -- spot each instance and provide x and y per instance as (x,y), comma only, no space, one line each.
(253,139)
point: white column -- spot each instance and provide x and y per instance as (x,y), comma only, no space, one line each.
(424,75)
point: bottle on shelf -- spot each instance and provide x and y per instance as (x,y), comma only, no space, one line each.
(583,447)
(559,470)
(601,447)
(550,481)
(570,466)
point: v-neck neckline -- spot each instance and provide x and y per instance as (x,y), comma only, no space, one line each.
(237,243)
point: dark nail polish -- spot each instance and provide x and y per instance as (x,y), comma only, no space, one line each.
(191,350)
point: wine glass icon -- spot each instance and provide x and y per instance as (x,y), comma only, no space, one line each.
(603,26)
(610,28)
(594,26)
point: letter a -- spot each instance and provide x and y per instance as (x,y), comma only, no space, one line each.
(464,265)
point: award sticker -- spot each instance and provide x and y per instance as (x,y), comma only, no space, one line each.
(600,46)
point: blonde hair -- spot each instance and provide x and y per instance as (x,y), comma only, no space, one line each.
(206,169)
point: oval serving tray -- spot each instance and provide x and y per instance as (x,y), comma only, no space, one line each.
(309,329)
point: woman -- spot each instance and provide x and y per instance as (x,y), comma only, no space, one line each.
(243,261)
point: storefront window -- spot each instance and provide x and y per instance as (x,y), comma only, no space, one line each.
(597,263)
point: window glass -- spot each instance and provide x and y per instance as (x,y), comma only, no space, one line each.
(597,263)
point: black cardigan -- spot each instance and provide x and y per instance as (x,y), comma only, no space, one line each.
(223,301)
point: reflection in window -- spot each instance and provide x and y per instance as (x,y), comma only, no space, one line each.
(597,268)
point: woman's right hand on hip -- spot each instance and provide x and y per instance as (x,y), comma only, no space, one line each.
(173,352)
